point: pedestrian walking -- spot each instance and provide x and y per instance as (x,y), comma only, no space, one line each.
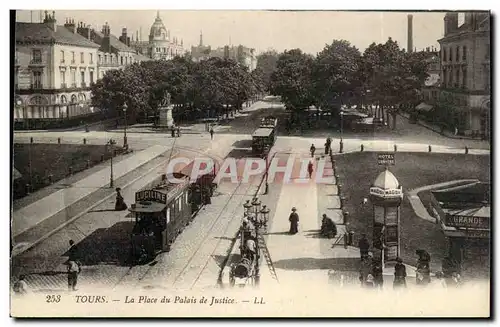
(378,274)
(328,145)
(72,252)
(399,274)
(211,132)
(20,286)
(294,221)
(120,204)
(423,276)
(310,169)
(172,131)
(364,246)
(74,269)
(178,131)
(328,227)
(312,149)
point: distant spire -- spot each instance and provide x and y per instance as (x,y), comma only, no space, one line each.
(201,38)
(157,14)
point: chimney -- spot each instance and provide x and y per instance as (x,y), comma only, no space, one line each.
(410,33)
(70,25)
(201,38)
(123,37)
(50,21)
(128,41)
(83,30)
(450,22)
(106,45)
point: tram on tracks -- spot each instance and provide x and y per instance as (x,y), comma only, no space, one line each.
(265,136)
(163,209)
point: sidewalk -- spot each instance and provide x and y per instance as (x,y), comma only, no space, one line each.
(436,129)
(31,215)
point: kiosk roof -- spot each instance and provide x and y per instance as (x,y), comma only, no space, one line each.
(262,132)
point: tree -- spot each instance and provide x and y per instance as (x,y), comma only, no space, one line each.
(266,65)
(292,80)
(334,74)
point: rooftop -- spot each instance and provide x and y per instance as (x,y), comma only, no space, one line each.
(115,42)
(386,180)
(40,32)
(478,193)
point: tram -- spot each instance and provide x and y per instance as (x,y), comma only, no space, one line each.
(163,209)
(265,136)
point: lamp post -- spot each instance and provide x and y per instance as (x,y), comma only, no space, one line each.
(125,144)
(266,191)
(264,212)
(247,207)
(256,206)
(341,144)
(111,142)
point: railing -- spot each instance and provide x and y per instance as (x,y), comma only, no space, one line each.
(37,86)
(84,84)
(63,85)
(73,85)
(36,62)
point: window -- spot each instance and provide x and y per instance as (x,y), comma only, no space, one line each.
(464,53)
(100,59)
(91,75)
(457,57)
(121,60)
(487,54)
(457,80)
(450,55)
(82,75)
(168,215)
(486,79)
(73,76)
(72,57)
(464,77)
(37,56)
(82,59)
(126,60)
(91,58)
(105,59)
(37,80)
(62,56)
(63,77)
(444,54)
(179,203)
(187,197)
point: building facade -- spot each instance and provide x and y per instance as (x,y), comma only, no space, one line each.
(430,91)
(241,54)
(465,70)
(56,65)
(160,45)
(53,71)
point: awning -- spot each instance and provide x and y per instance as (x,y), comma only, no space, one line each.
(148,207)
(424,107)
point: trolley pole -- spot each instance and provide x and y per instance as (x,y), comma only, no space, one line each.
(266,191)
(257,268)
(111,143)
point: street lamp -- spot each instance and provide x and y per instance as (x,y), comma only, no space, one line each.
(111,142)
(125,145)
(341,144)
(264,215)
(247,207)
(256,206)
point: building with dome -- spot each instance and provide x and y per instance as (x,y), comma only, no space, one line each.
(160,44)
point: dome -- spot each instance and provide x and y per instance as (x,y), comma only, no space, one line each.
(386,180)
(158,30)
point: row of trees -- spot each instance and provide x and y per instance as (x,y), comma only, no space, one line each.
(206,87)
(383,75)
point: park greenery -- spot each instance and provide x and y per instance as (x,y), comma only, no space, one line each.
(383,75)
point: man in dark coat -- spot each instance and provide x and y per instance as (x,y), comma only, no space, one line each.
(294,221)
(364,246)
(211,133)
(377,272)
(328,227)
(312,149)
(399,274)
(120,204)
(72,252)
(310,169)
(328,145)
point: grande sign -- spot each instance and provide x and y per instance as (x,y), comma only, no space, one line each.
(151,195)
(389,193)
(467,221)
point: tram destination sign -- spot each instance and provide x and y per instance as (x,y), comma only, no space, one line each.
(151,195)
(386,159)
(467,221)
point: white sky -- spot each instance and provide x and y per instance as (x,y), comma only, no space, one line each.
(308,30)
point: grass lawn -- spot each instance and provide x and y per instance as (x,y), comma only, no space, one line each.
(55,160)
(357,171)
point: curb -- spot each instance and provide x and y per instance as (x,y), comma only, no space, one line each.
(79,215)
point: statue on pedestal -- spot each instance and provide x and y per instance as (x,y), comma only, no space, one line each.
(165,110)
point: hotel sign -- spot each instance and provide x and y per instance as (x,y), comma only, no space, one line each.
(478,234)
(467,221)
(151,195)
(386,159)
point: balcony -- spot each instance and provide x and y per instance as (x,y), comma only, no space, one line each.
(63,85)
(37,62)
(84,84)
(73,85)
(36,86)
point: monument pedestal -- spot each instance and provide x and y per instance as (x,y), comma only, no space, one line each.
(166,120)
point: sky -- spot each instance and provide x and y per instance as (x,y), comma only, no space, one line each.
(261,30)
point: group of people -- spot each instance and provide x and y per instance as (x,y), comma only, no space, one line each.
(175,131)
